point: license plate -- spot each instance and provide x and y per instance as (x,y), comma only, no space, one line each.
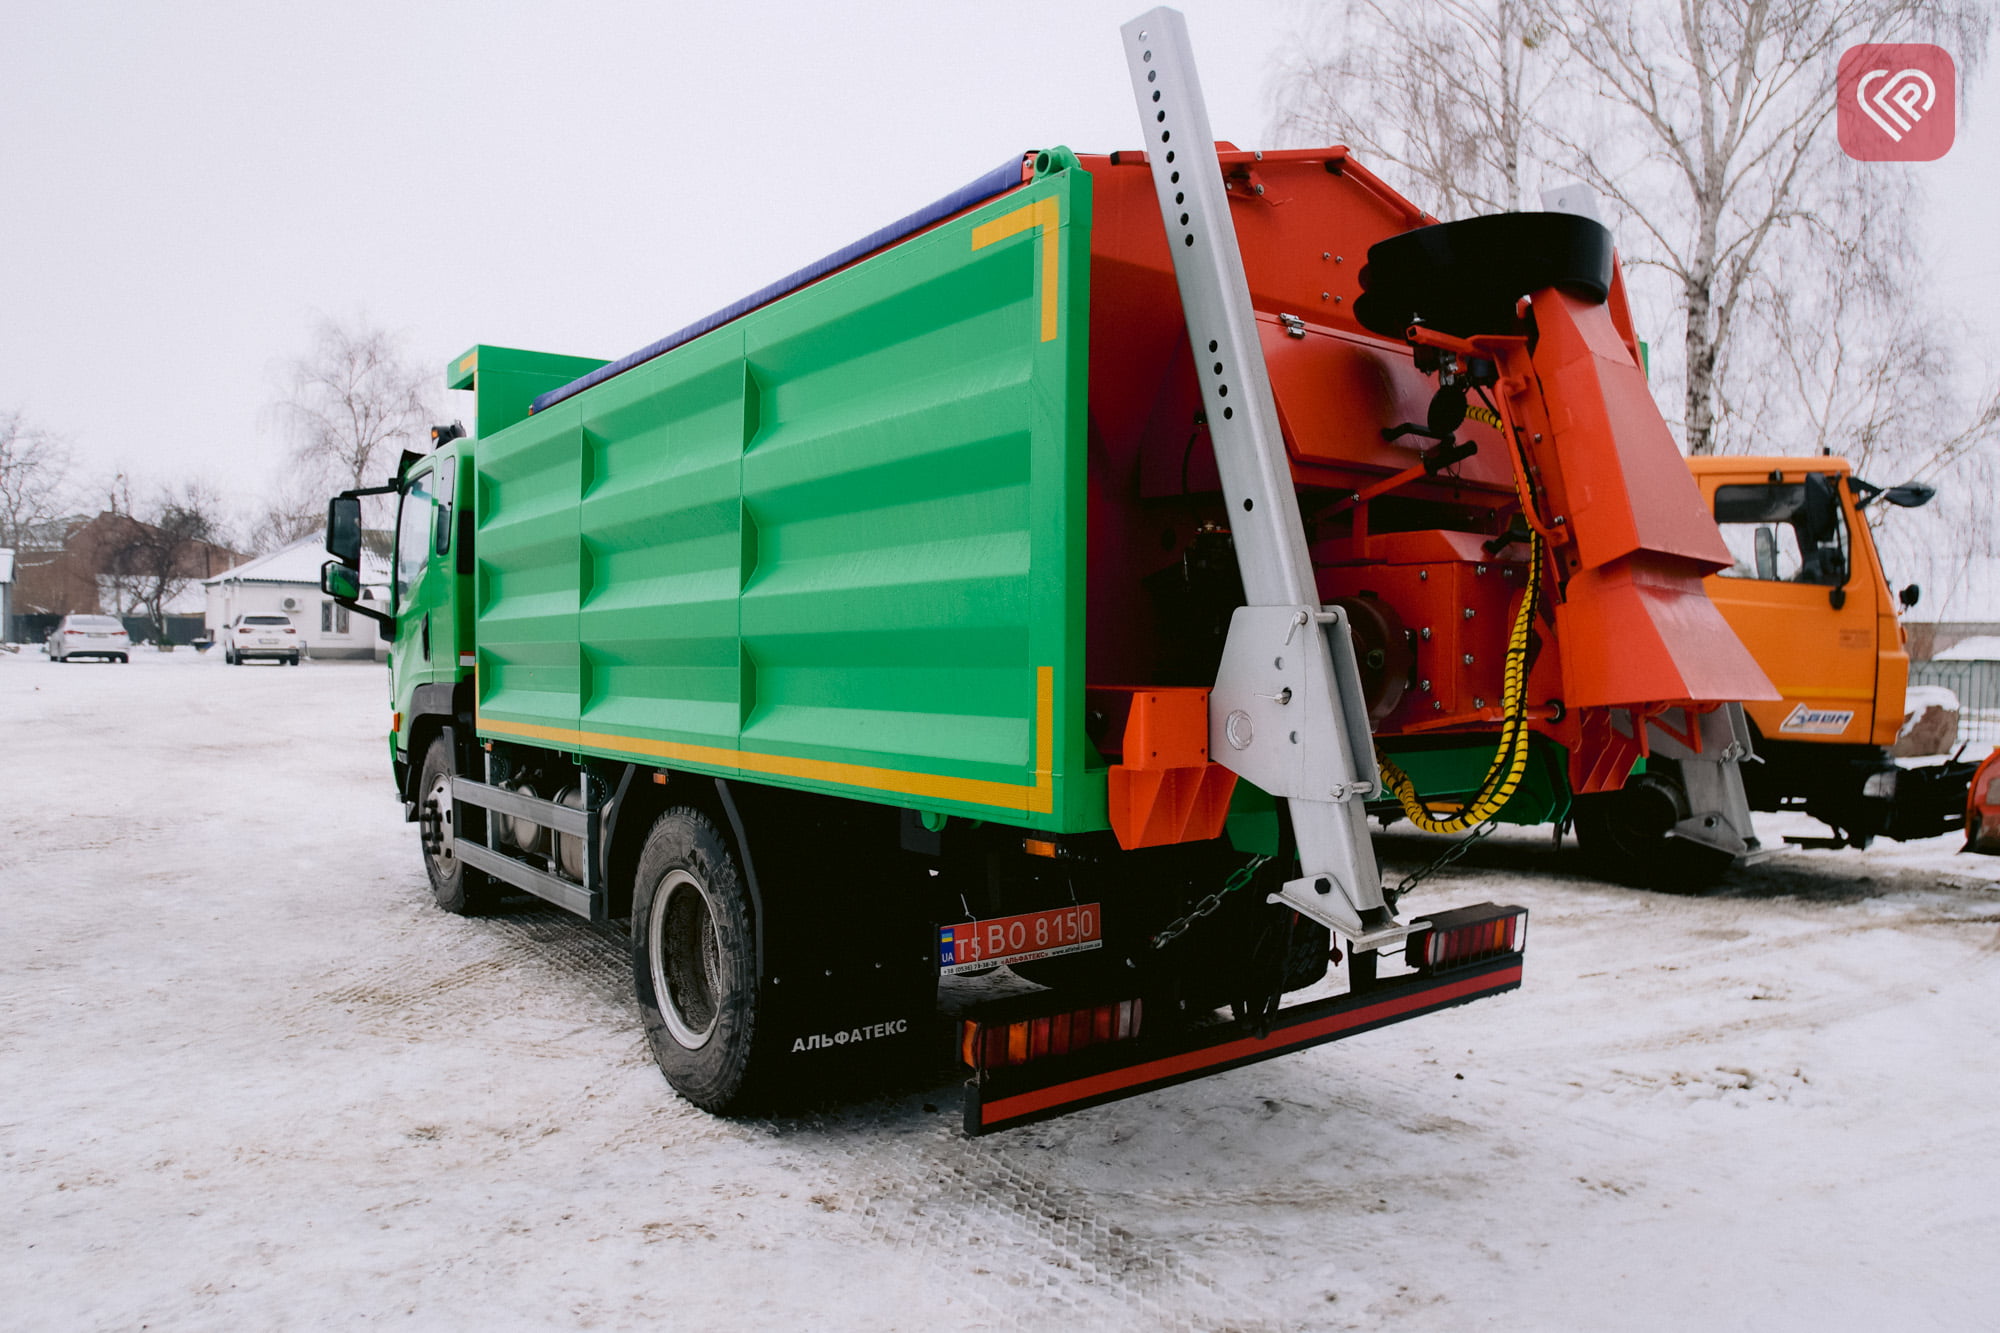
(965,945)
(267,640)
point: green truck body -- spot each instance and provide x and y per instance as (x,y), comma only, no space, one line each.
(834,545)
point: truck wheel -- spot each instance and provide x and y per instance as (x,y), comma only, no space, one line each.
(1625,833)
(694,961)
(458,888)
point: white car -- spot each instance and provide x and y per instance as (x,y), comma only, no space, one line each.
(273,637)
(90,636)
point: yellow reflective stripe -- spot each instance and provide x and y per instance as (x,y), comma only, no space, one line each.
(1038,797)
(1045,213)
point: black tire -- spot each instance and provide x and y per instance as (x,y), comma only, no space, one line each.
(1624,833)
(457,887)
(694,963)
(295,659)
(1464,277)
(123,660)
(229,656)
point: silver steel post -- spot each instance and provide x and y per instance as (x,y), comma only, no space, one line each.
(1287,711)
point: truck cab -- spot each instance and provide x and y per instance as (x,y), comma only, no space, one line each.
(1809,597)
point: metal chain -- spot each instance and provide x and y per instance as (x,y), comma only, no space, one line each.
(1450,854)
(1207,906)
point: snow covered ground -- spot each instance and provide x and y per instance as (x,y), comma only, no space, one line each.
(251,1078)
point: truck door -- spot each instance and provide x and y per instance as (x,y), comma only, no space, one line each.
(426,645)
(1793,597)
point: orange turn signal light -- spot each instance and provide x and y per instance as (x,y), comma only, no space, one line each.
(997,1045)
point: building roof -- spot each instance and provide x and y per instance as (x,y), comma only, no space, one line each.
(1979,648)
(299,563)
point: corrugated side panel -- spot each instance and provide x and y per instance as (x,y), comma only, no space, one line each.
(525,582)
(836,544)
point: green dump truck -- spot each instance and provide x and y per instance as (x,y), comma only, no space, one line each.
(972,598)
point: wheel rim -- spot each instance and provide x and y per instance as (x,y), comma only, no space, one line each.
(685,950)
(441,844)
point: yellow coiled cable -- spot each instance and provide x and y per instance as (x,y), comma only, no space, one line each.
(1510,760)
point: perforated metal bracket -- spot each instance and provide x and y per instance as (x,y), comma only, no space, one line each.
(1289,682)
(1222,327)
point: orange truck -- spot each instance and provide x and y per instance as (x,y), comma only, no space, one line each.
(1808,596)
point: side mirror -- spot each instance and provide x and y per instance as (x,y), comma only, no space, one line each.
(1910,495)
(340,582)
(1767,553)
(343,531)
(1910,596)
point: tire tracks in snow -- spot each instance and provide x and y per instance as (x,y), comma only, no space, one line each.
(966,1206)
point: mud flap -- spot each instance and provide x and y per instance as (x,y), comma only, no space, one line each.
(848,958)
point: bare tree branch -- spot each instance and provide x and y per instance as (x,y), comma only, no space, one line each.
(157,556)
(34,480)
(352,402)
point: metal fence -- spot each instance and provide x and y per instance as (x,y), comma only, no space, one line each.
(1977,685)
(34,627)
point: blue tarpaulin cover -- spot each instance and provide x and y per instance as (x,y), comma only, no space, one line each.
(997,181)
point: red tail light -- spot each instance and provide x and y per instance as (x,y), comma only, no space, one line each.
(1466,935)
(995,1045)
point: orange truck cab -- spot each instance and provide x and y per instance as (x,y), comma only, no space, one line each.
(1808,596)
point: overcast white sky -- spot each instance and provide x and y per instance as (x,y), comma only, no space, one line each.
(186,186)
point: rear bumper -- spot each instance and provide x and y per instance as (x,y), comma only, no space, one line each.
(1006,1098)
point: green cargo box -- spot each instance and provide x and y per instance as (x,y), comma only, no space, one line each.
(836,544)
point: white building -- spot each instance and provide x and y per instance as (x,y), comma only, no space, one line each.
(287,583)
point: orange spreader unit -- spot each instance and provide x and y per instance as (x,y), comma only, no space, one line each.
(1630,531)
(1568,443)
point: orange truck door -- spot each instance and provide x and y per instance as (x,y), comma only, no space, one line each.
(1800,594)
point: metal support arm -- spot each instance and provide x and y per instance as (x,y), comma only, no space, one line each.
(1287,712)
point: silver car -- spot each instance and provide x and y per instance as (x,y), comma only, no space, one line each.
(272,637)
(90,636)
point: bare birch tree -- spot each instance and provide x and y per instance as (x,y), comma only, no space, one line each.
(34,479)
(1443,95)
(1729,106)
(352,402)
